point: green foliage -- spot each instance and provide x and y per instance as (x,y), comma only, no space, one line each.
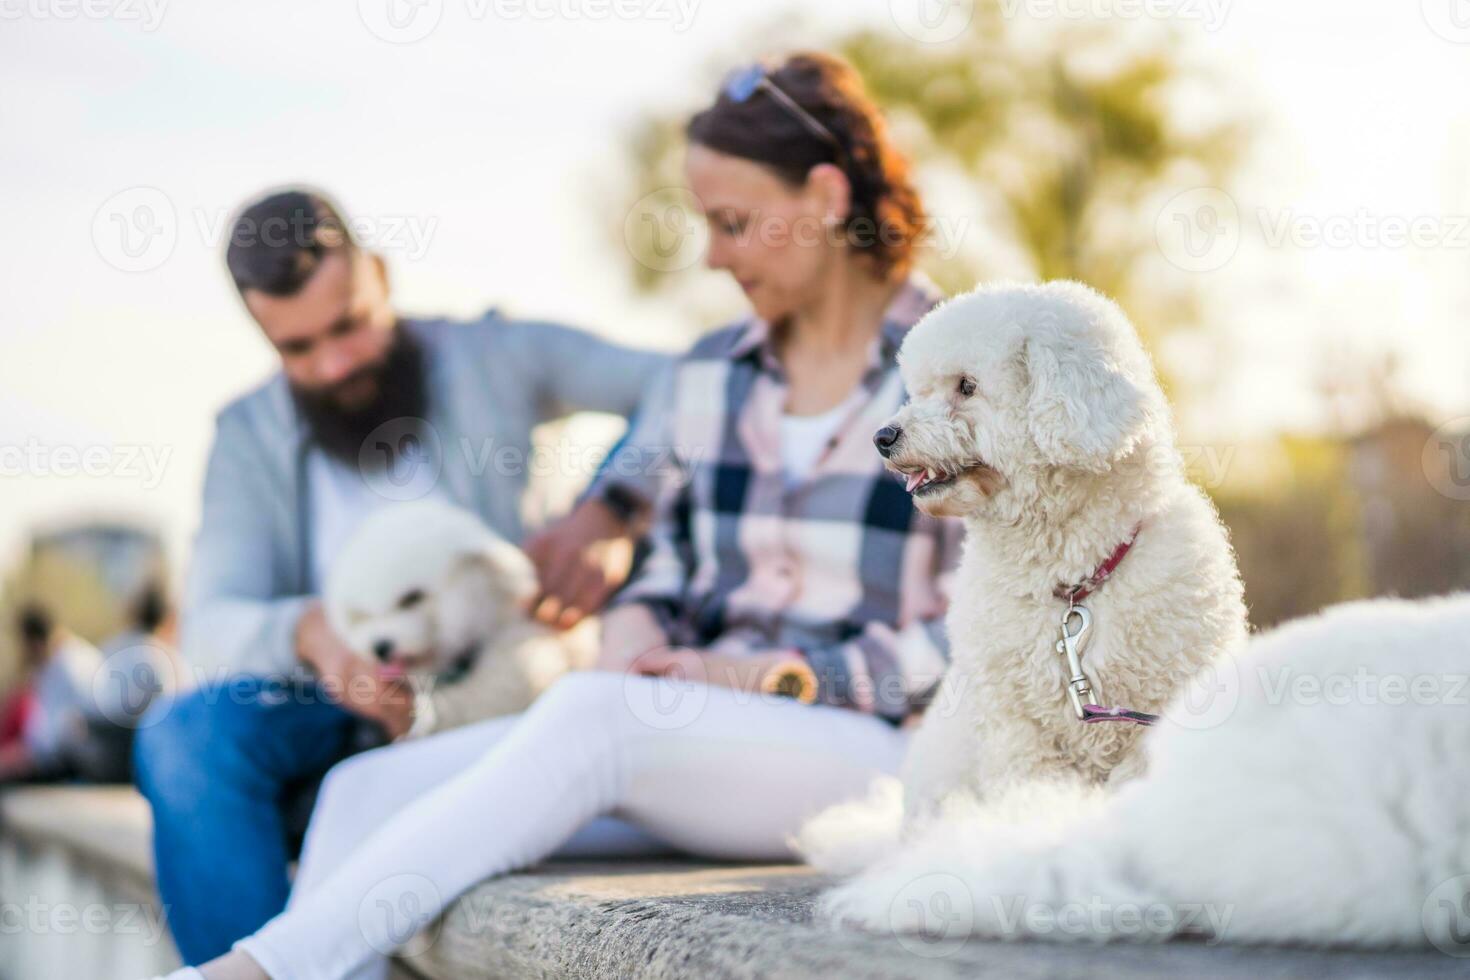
(1298,538)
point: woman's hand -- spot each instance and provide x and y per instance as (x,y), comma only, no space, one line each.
(580,560)
(627,633)
(741,672)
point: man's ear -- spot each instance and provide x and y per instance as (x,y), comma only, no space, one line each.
(1083,410)
(380,271)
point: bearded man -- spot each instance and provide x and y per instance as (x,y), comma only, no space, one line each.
(369,408)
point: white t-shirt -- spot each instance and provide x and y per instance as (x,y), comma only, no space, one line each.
(804,438)
(340,500)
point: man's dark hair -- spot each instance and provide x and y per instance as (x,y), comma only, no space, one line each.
(35,624)
(277,243)
(151,608)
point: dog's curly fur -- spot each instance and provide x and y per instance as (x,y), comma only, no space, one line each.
(1039,413)
(1320,800)
(1064,447)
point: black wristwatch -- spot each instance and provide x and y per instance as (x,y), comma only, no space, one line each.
(625,504)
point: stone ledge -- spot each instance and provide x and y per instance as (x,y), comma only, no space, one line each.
(107,826)
(684,919)
(673,919)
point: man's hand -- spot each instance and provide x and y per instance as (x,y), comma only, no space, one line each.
(580,561)
(352,681)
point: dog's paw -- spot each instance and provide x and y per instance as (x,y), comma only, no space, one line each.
(935,906)
(861,903)
(844,839)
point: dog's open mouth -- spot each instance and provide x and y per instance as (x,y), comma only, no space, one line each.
(928,480)
(402,665)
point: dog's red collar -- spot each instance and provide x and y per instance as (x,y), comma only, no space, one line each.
(1076,593)
(1079,688)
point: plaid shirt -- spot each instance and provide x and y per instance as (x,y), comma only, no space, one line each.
(839,566)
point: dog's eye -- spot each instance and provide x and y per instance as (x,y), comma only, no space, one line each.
(966,387)
(411,599)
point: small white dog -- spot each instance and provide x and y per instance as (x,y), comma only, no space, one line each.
(1035,416)
(1319,797)
(427,589)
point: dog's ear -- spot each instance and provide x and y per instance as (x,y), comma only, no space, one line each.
(510,570)
(1083,408)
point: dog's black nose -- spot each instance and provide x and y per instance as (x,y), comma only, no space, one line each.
(383,649)
(885,438)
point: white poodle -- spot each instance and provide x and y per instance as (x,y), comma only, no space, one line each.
(427,589)
(1325,802)
(1305,786)
(1035,416)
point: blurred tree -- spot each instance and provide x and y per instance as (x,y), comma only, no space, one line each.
(1298,535)
(1045,150)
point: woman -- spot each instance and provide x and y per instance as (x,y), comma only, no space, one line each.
(785,562)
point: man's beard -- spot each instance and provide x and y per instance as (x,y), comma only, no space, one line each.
(401,394)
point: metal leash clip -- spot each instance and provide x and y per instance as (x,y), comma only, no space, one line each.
(1079,689)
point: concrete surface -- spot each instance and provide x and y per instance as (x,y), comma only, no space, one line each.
(610,919)
(584,920)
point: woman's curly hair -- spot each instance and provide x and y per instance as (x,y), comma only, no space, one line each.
(886,216)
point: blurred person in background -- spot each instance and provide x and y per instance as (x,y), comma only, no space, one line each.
(47,720)
(788,570)
(137,667)
(369,407)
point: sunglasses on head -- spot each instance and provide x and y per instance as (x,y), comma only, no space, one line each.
(743,83)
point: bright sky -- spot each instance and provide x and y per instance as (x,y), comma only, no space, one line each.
(483,154)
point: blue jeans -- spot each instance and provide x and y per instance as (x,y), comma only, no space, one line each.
(219,765)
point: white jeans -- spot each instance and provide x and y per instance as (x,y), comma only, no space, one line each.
(400,832)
